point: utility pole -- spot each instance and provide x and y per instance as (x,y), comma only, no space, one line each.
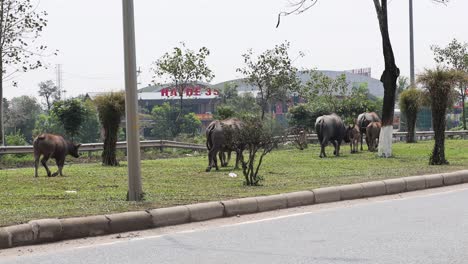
(412,82)
(131,103)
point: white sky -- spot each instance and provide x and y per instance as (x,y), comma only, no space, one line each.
(334,35)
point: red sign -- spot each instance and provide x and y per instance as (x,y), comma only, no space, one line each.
(189,91)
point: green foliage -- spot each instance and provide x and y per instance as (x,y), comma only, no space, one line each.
(71,113)
(224,112)
(228,93)
(328,90)
(272,73)
(15,139)
(22,115)
(90,128)
(182,68)
(111,109)
(410,101)
(410,104)
(257,137)
(190,124)
(164,117)
(242,106)
(302,116)
(48,124)
(168,126)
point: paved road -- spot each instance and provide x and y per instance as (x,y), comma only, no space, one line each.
(422,229)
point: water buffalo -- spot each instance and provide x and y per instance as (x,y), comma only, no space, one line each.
(330,128)
(372,135)
(352,137)
(53,146)
(363,121)
(218,141)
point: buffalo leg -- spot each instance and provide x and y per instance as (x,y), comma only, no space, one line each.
(212,161)
(60,164)
(335,152)
(362,135)
(222,158)
(238,158)
(44,160)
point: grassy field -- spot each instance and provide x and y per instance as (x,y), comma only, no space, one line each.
(166,182)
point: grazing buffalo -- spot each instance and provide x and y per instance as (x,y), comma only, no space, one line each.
(372,135)
(53,146)
(363,121)
(219,140)
(352,137)
(330,128)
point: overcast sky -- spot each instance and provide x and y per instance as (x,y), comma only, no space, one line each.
(334,35)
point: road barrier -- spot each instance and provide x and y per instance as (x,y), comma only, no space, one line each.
(397,136)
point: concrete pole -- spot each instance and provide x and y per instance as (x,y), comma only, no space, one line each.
(412,81)
(131,104)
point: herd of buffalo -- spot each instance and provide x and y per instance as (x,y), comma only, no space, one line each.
(329,129)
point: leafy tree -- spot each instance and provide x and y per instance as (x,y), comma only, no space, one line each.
(164,117)
(224,111)
(455,55)
(71,114)
(21,24)
(357,102)
(439,83)
(410,103)
(46,123)
(16,139)
(272,72)
(257,137)
(165,127)
(190,124)
(330,90)
(240,106)
(90,131)
(183,67)
(22,115)
(228,93)
(50,92)
(111,109)
(389,75)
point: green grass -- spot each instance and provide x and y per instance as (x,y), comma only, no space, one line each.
(177,181)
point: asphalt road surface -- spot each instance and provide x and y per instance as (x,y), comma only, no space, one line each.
(429,227)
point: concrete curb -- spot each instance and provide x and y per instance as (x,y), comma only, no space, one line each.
(48,230)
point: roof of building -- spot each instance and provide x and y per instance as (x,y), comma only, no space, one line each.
(375,86)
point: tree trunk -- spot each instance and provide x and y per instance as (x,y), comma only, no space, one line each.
(110,142)
(389,79)
(438,123)
(411,119)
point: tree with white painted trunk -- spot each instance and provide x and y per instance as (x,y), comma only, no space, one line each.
(389,76)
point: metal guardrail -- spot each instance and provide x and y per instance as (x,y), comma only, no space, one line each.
(181,145)
(120,145)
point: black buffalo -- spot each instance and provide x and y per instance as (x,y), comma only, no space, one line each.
(53,146)
(364,120)
(219,140)
(330,128)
